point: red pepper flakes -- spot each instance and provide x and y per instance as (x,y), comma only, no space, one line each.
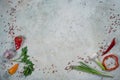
(11,12)
(69,63)
(19,2)
(100,1)
(11,31)
(113,4)
(1,15)
(10,2)
(114,20)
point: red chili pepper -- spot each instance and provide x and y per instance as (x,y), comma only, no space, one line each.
(110,46)
(18,41)
(116,62)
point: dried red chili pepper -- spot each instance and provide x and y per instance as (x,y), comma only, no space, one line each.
(110,47)
(113,57)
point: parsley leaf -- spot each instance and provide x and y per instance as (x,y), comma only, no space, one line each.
(24,58)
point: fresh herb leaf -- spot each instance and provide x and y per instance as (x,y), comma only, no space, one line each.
(24,51)
(28,70)
(24,58)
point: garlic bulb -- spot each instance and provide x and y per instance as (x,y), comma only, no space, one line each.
(9,54)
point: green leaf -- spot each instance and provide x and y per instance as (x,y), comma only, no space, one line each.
(29,62)
(24,58)
(28,70)
(24,51)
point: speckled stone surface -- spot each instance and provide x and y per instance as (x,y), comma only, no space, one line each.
(59,33)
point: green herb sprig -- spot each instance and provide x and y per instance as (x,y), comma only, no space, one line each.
(86,68)
(24,58)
